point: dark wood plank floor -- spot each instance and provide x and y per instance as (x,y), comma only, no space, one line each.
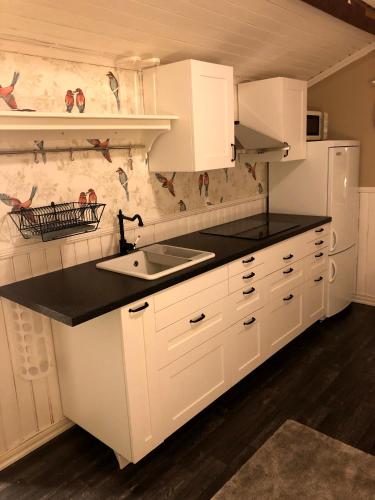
(324,379)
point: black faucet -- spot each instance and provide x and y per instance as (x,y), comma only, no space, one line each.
(126,247)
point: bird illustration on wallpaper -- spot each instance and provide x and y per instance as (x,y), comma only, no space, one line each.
(130,159)
(82,202)
(6,93)
(206,182)
(15,203)
(113,83)
(260,188)
(80,100)
(200,184)
(182,206)
(226,174)
(166,183)
(123,178)
(40,146)
(69,101)
(251,169)
(102,146)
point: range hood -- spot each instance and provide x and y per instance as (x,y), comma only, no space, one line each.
(256,145)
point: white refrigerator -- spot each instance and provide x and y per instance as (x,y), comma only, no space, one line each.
(326,183)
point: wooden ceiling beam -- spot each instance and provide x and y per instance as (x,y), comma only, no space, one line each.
(354,12)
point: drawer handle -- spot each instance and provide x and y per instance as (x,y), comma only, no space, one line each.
(249,321)
(289,297)
(288,271)
(288,257)
(248,276)
(140,308)
(247,261)
(196,320)
(318,279)
(320,230)
(247,292)
(320,242)
(320,254)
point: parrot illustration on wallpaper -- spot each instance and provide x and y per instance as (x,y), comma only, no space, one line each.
(15,203)
(200,184)
(166,183)
(113,83)
(80,100)
(82,202)
(92,196)
(6,93)
(69,101)
(182,206)
(123,178)
(102,146)
(251,170)
(40,146)
(206,182)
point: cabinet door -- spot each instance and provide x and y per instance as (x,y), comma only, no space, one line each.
(284,320)
(315,297)
(213,119)
(294,99)
(193,381)
(245,343)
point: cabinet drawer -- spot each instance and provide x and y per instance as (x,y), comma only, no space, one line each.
(284,320)
(190,305)
(245,263)
(281,281)
(177,339)
(246,278)
(316,263)
(285,253)
(317,244)
(190,287)
(193,381)
(245,344)
(247,299)
(318,232)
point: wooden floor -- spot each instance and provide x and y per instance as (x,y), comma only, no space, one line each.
(325,379)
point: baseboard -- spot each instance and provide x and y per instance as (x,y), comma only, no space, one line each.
(364,299)
(11,456)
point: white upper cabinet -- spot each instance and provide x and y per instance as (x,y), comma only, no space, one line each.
(201,94)
(276,107)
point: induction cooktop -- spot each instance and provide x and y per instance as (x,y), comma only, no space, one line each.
(250,229)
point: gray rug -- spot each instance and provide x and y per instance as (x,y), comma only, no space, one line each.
(298,462)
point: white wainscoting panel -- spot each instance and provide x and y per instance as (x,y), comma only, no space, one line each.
(365,292)
(30,404)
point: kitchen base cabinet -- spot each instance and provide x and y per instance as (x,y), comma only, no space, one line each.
(315,298)
(285,320)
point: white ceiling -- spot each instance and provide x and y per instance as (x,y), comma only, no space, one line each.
(260,38)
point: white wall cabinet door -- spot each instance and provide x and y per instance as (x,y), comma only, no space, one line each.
(285,320)
(201,95)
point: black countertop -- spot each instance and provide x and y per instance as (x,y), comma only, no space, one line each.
(83,292)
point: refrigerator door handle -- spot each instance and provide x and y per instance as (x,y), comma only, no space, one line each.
(333,272)
(334,240)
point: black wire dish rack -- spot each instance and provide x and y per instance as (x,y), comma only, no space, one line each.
(57,220)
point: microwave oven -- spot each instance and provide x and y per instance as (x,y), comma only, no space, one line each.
(316,126)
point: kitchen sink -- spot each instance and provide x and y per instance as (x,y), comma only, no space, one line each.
(155,261)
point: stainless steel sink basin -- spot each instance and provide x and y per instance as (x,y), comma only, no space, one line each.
(155,261)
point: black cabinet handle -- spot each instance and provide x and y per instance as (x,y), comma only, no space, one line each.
(320,254)
(234,152)
(247,292)
(140,308)
(288,257)
(249,321)
(247,261)
(320,230)
(289,297)
(288,271)
(320,242)
(318,279)
(202,316)
(248,276)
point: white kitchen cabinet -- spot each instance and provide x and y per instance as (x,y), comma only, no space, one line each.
(201,94)
(315,298)
(276,107)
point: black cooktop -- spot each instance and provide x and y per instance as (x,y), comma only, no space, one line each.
(246,229)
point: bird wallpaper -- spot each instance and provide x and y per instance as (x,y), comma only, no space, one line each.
(118,178)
